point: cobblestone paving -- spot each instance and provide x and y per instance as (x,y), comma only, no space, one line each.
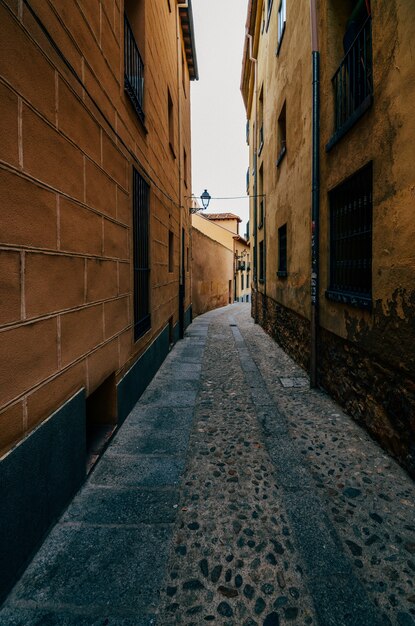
(232,495)
(233,561)
(368,497)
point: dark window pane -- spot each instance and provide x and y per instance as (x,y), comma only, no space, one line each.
(141,193)
(351,235)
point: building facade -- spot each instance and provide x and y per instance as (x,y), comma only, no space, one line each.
(242,269)
(219,262)
(331,220)
(95,236)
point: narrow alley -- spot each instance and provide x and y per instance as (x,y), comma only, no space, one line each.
(234,495)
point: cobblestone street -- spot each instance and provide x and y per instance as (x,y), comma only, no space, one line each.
(232,495)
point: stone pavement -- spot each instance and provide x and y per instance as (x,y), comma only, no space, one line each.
(232,495)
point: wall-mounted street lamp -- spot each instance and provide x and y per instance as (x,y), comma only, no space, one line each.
(205,198)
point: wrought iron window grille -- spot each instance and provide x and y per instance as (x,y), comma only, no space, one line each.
(133,71)
(141,196)
(282,252)
(353,84)
(351,240)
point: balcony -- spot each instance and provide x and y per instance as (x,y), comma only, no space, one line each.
(353,84)
(133,70)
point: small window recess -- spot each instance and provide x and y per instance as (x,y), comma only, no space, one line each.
(170,109)
(171,251)
(282,18)
(101,420)
(270,3)
(282,134)
(282,252)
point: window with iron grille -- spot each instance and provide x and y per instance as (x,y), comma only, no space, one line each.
(141,197)
(133,70)
(353,80)
(261,262)
(282,251)
(351,240)
(171,251)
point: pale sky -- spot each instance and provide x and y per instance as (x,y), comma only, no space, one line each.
(219,150)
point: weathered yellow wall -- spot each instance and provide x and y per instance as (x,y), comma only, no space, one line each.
(214,230)
(366,359)
(67,150)
(385,135)
(212,272)
(287,188)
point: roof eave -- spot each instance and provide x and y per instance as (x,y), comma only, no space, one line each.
(188,31)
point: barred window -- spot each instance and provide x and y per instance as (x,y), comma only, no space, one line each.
(282,251)
(141,195)
(351,240)
(261,262)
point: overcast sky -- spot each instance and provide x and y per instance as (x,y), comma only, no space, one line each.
(219,150)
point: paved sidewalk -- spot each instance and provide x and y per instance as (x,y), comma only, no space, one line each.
(232,495)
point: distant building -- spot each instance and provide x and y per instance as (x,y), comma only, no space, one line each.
(336,288)
(242,270)
(95,178)
(217,252)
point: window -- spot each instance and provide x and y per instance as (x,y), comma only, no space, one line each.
(171,251)
(282,251)
(185,167)
(353,80)
(141,195)
(133,70)
(260,121)
(261,262)
(242,281)
(282,134)
(170,112)
(247,132)
(261,196)
(187,258)
(281,23)
(270,3)
(351,240)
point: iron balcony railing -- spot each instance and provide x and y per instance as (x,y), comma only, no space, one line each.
(133,70)
(353,82)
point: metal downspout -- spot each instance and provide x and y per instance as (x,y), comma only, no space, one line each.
(315,198)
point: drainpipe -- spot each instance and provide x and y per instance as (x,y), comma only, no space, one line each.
(315,197)
(255,250)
